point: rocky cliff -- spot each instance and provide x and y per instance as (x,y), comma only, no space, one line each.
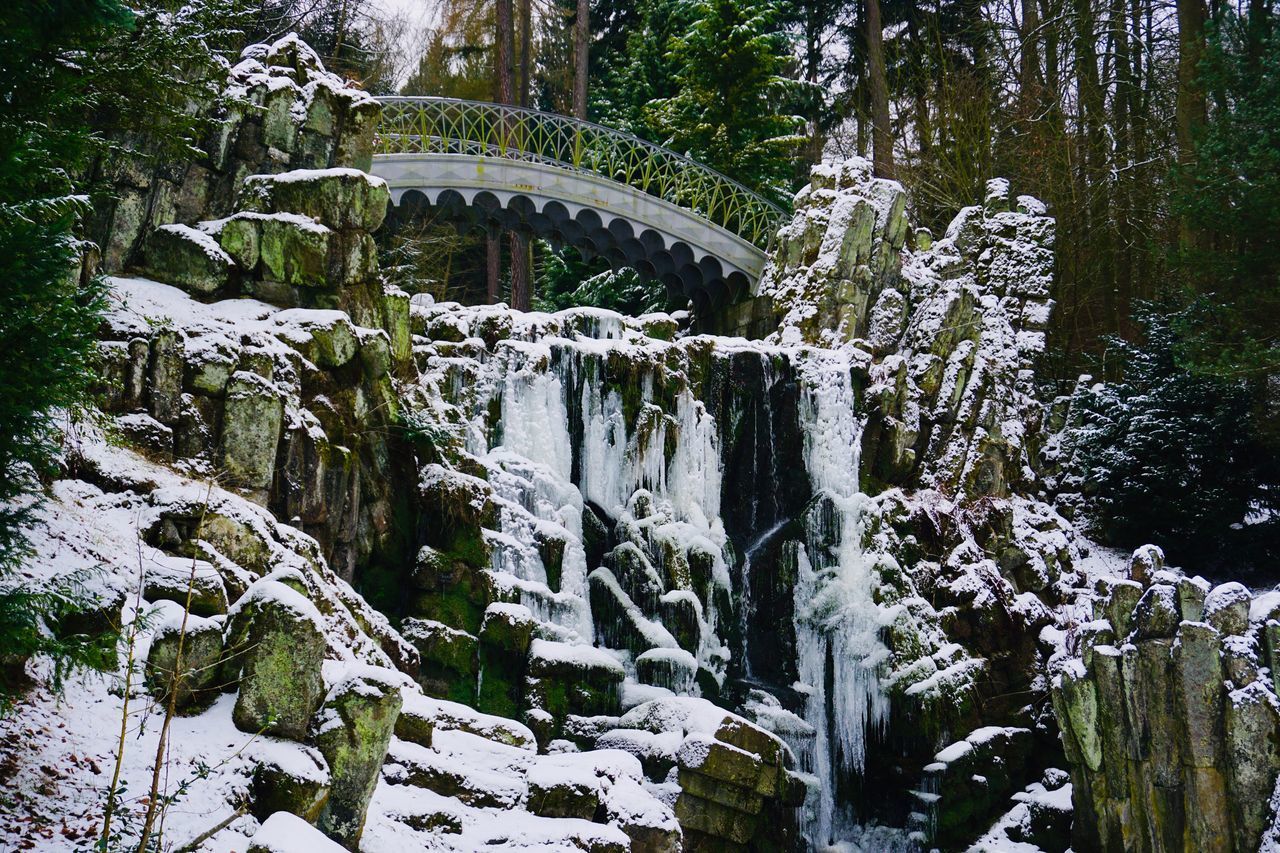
(450,577)
(1169,713)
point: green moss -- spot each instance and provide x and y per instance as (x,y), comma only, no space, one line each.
(354,740)
(457,605)
(381,586)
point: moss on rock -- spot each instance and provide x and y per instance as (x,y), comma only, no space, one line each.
(353,732)
(275,638)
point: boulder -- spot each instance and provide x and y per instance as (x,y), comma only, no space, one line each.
(565,678)
(621,624)
(563,789)
(187,258)
(193,675)
(340,198)
(650,824)
(500,785)
(505,636)
(422,715)
(251,423)
(276,639)
(1157,614)
(240,237)
(1198,673)
(395,312)
(294,251)
(1191,595)
(164,376)
(450,661)
(353,731)
(674,669)
(1144,564)
(283,832)
(636,575)
(179,579)
(1226,608)
(290,778)
(326,338)
(1252,760)
(508,627)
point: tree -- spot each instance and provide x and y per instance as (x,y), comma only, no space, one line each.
(1191,98)
(49,312)
(1172,457)
(1230,194)
(581,57)
(353,37)
(881,131)
(731,107)
(814,22)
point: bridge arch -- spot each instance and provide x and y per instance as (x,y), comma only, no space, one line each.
(605,193)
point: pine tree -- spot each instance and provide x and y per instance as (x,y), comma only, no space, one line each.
(1173,457)
(1230,196)
(77,79)
(48,314)
(730,110)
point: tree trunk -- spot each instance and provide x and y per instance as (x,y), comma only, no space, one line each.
(881,133)
(1122,132)
(505,58)
(581,48)
(505,46)
(920,86)
(526,52)
(812,70)
(1094,173)
(1029,59)
(521,292)
(1191,108)
(493,266)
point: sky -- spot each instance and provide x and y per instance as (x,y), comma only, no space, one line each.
(419,14)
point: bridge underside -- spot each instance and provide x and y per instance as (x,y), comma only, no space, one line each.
(693,258)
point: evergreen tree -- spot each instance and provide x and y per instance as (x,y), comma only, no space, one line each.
(730,109)
(80,81)
(631,63)
(567,281)
(48,314)
(1230,197)
(1172,457)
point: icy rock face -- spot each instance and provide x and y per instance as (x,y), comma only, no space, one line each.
(609,532)
(293,406)
(278,110)
(714,489)
(1171,724)
(949,332)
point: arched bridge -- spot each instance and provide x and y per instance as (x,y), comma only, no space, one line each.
(580,184)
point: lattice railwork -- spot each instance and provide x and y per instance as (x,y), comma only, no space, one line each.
(449,126)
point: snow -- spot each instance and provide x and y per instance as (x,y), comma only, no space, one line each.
(273,592)
(542,437)
(286,833)
(300,176)
(1224,596)
(456,716)
(575,656)
(206,243)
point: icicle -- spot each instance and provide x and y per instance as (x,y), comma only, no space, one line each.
(837,619)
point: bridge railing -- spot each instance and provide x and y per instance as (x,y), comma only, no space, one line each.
(449,126)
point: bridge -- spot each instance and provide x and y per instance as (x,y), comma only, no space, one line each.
(575,183)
